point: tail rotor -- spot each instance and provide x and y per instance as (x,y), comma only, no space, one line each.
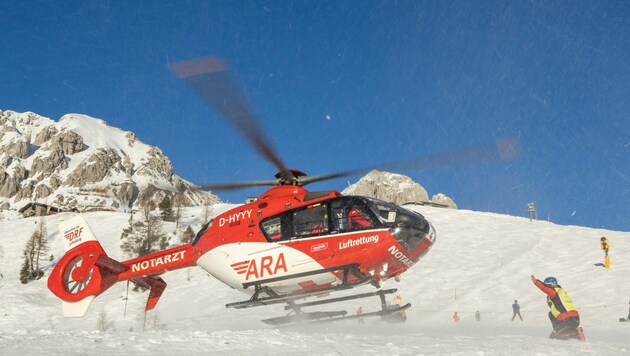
(74,278)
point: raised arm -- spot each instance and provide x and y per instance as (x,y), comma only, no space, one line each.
(547,290)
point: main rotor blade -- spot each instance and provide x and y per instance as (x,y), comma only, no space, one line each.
(212,79)
(235,186)
(499,150)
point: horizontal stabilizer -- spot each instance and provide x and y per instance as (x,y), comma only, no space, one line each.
(76,309)
(111,264)
(156,285)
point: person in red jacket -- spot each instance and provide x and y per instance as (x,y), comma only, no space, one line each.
(564,317)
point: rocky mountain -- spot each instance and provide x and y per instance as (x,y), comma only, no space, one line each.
(395,188)
(443,199)
(81,162)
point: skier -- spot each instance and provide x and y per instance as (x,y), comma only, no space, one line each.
(564,317)
(517,310)
(477,315)
(360,312)
(455,317)
(397,303)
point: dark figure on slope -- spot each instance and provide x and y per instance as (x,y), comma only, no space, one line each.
(626,319)
(517,310)
(564,317)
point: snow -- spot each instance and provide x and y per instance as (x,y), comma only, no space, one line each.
(481,261)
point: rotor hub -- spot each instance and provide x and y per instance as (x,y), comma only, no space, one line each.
(290,177)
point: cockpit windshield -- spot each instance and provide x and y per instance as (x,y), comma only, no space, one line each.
(409,227)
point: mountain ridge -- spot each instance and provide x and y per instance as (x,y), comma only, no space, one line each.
(81,162)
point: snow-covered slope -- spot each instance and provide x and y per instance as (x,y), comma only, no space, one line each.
(481,261)
(81,162)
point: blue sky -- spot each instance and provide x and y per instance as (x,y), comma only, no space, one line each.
(347,84)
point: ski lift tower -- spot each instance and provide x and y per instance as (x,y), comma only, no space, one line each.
(531,209)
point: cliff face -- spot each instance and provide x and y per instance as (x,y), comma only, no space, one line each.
(81,162)
(395,188)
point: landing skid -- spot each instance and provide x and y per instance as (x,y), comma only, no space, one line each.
(296,306)
(305,317)
(323,317)
(265,295)
(390,314)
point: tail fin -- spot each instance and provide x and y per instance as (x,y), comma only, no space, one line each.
(84,271)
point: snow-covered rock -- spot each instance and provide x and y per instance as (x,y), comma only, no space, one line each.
(396,188)
(81,162)
(442,199)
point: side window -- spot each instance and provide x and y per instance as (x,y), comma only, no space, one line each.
(351,215)
(386,213)
(311,221)
(273,228)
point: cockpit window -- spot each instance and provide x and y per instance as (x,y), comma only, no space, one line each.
(386,212)
(351,214)
(201,232)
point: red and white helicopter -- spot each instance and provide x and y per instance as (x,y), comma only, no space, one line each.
(287,245)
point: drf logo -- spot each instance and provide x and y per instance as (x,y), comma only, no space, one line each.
(263,267)
(73,234)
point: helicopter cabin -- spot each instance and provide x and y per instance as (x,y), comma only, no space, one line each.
(346,214)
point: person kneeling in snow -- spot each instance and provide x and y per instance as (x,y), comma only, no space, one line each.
(564,317)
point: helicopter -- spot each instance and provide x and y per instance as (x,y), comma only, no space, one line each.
(285,246)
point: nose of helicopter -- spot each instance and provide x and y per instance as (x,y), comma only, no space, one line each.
(427,240)
(413,232)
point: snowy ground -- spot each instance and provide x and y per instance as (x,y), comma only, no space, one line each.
(481,261)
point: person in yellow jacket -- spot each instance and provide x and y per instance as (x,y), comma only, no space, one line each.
(605,245)
(564,317)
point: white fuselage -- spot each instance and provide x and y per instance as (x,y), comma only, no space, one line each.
(238,263)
